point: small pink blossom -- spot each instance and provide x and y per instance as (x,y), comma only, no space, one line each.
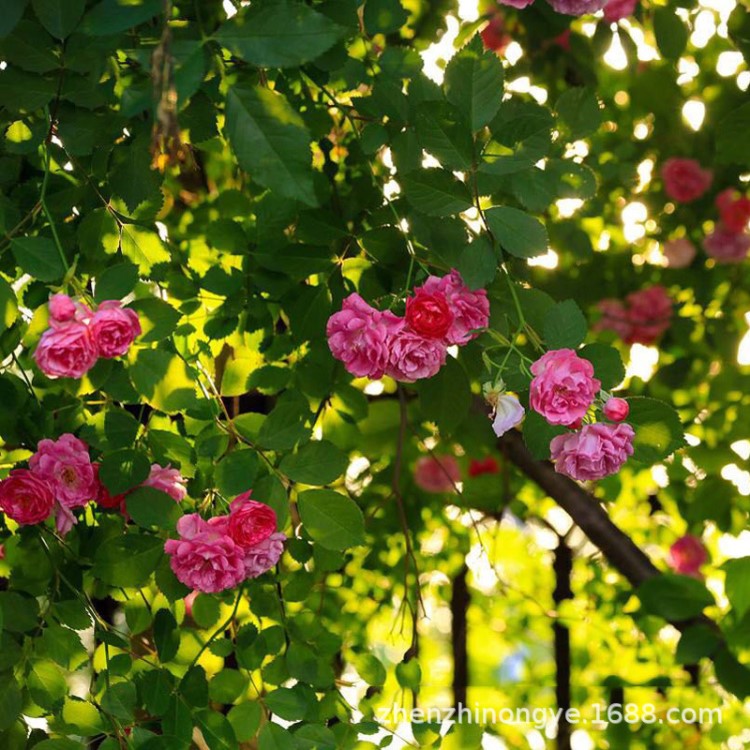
(66,464)
(597,451)
(66,350)
(26,497)
(679,253)
(687,555)
(413,357)
(494,35)
(649,315)
(470,308)
(507,413)
(205,558)
(684,179)
(437,473)
(262,556)
(250,522)
(577,7)
(616,409)
(734,209)
(166,479)
(616,10)
(114,328)
(360,337)
(614,317)
(61,308)
(564,386)
(725,246)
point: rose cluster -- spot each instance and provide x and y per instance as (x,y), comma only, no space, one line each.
(221,552)
(77,336)
(687,555)
(562,391)
(642,318)
(62,477)
(729,242)
(566,7)
(372,343)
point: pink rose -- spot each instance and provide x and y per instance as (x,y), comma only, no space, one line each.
(734,210)
(264,555)
(494,36)
(114,328)
(725,246)
(205,558)
(61,308)
(679,253)
(413,357)
(166,479)
(429,315)
(66,351)
(437,473)
(616,409)
(685,180)
(564,386)
(577,7)
(687,555)
(250,522)
(616,10)
(649,315)
(359,336)
(26,497)
(597,451)
(471,309)
(614,318)
(66,464)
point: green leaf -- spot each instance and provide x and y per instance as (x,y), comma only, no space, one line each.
(59,17)
(478,263)
(318,462)
(11,15)
(134,180)
(274,737)
(288,703)
(99,231)
(22,48)
(83,717)
(285,426)
(143,247)
(331,519)
(46,684)
(151,508)
(579,110)
(446,398)
(11,701)
(732,147)
(474,83)
(696,643)
(564,326)
(119,700)
(517,232)
(158,318)
(236,472)
(315,737)
(658,430)
(538,434)
(113,16)
(442,131)
(271,142)
(25,92)
(216,730)
(154,688)
(436,192)
(39,257)
(409,674)
(731,674)
(282,34)
(384,16)
(675,598)
(163,379)
(737,585)
(245,720)
(608,365)
(166,635)
(671,32)
(227,686)
(128,560)
(8,306)
(123,469)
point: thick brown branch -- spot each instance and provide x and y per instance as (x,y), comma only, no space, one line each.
(460,600)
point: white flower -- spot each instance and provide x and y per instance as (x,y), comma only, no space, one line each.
(508,413)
